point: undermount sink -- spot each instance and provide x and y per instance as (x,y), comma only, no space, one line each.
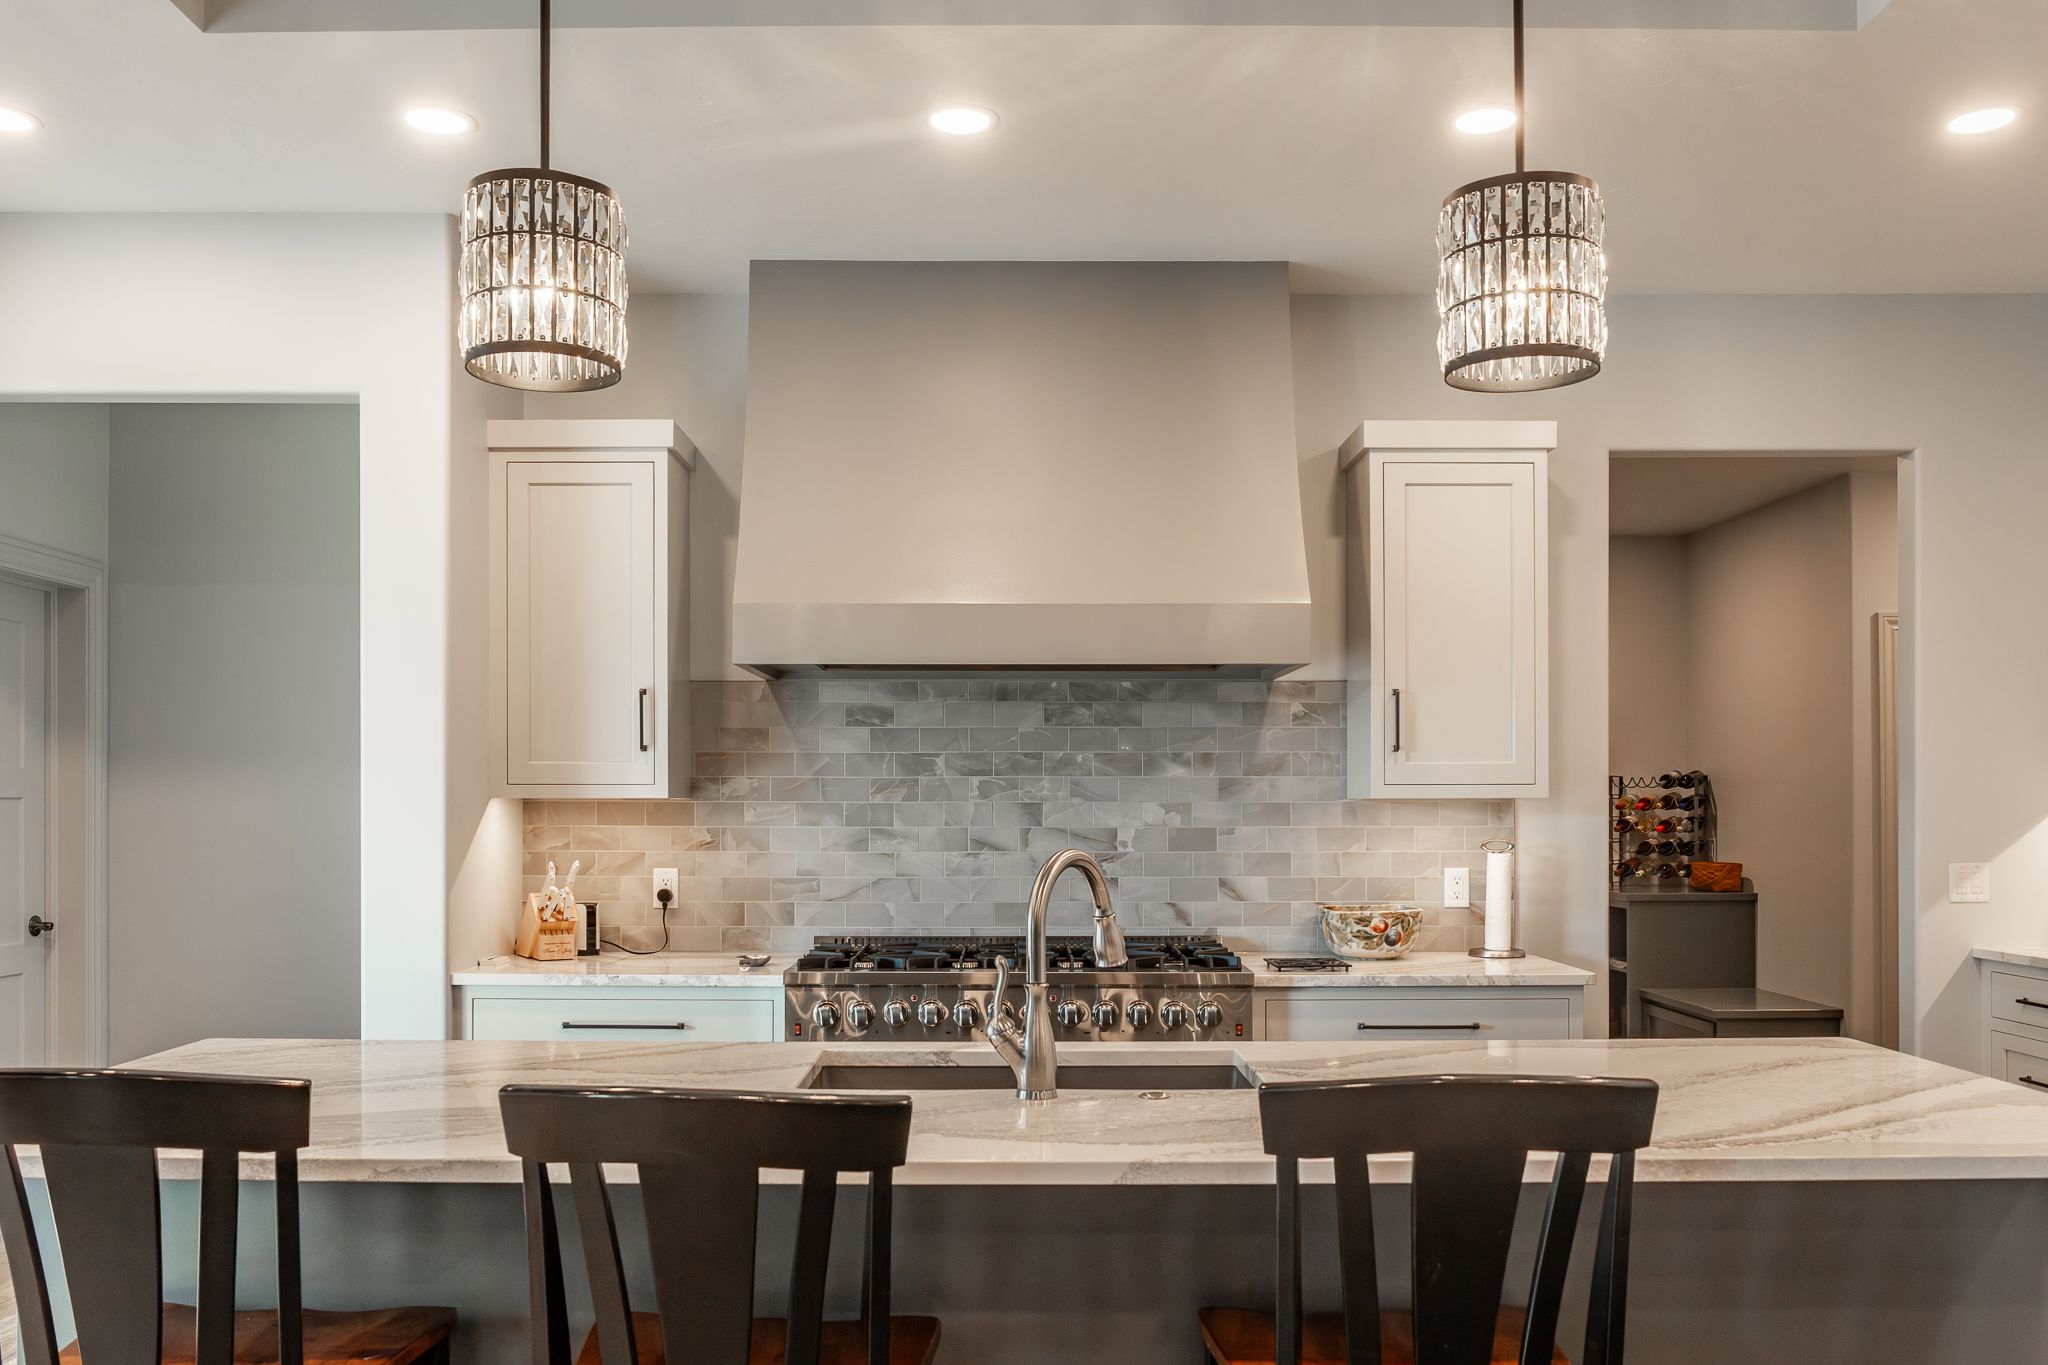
(1213,1076)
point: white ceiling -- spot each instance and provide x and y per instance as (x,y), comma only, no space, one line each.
(1677,495)
(1734,160)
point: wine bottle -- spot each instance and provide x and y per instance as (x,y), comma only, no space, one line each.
(1666,871)
(1664,826)
(1644,849)
(1624,825)
(1645,803)
(1670,780)
(1686,847)
(1668,847)
(1682,803)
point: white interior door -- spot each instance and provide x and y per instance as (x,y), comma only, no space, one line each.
(24,959)
(579,627)
(1459,632)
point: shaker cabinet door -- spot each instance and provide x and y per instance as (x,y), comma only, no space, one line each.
(1458,622)
(580,628)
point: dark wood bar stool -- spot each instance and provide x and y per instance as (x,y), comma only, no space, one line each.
(1470,1138)
(700,1155)
(99,1133)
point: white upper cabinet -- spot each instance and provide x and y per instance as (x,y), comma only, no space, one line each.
(589,608)
(1448,621)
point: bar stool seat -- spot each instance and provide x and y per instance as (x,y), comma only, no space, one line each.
(386,1336)
(912,1341)
(1242,1336)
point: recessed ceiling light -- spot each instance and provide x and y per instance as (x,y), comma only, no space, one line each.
(962,119)
(1490,120)
(1982,120)
(18,120)
(443,122)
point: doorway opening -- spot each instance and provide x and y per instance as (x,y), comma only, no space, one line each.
(198,565)
(1753,626)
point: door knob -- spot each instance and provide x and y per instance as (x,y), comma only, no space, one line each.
(38,926)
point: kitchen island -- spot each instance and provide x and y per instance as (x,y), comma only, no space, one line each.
(1807,1199)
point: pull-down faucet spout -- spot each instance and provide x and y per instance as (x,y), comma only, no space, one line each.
(1030,1049)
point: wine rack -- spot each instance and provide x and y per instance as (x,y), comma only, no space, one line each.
(1674,811)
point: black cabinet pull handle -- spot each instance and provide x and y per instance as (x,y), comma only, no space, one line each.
(643,720)
(1397,720)
(2034,1004)
(1472,1027)
(2038,1085)
(636,1023)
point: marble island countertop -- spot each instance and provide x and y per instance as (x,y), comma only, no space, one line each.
(615,968)
(1808,1109)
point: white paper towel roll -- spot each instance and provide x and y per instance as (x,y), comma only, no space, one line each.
(1500,896)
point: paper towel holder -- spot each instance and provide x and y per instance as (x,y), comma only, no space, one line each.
(1497,846)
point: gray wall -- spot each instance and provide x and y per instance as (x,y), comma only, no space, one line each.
(234,724)
(1647,712)
(53,476)
(1768,616)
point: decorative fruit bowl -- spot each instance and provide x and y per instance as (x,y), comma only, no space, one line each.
(1380,930)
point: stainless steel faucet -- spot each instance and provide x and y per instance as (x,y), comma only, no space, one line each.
(1030,1049)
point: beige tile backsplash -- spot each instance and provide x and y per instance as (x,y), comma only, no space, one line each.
(925,807)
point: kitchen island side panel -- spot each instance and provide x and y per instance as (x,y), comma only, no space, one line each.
(1818,1273)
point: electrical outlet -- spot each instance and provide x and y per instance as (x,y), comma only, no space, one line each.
(1457,888)
(665,880)
(1969,883)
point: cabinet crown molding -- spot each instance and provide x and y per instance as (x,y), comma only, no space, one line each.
(1470,436)
(591,433)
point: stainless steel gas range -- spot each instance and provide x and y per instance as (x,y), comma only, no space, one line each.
(1174,988)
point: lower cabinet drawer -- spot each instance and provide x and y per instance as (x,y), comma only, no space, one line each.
(711,1017)
(2022,999)
(2023,1061)
(1392,1015)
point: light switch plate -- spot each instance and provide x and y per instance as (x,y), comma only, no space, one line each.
(1457,888)
(1969,883)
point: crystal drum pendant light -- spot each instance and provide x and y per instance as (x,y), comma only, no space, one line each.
(543,273)
(1522,290)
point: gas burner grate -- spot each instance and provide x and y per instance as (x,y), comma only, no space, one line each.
(1148,952)
(1307,964)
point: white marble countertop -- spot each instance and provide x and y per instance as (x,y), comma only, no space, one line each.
(2018,957)
(615,968)
(1792,1109)
(1426,969)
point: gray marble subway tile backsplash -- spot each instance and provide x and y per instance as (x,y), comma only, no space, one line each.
(926,806)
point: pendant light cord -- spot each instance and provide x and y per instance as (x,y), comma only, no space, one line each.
(1519,121)
(545,72)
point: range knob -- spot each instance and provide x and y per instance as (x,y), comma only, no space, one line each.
(825,1015)
(931,1014)
(966,1016)
(1105,1014)
(1138,1013)
(860,1015)
(1070,1013)
(1208,1014)
(896,1013)
(1172,1014)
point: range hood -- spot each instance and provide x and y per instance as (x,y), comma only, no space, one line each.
(1020,467)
